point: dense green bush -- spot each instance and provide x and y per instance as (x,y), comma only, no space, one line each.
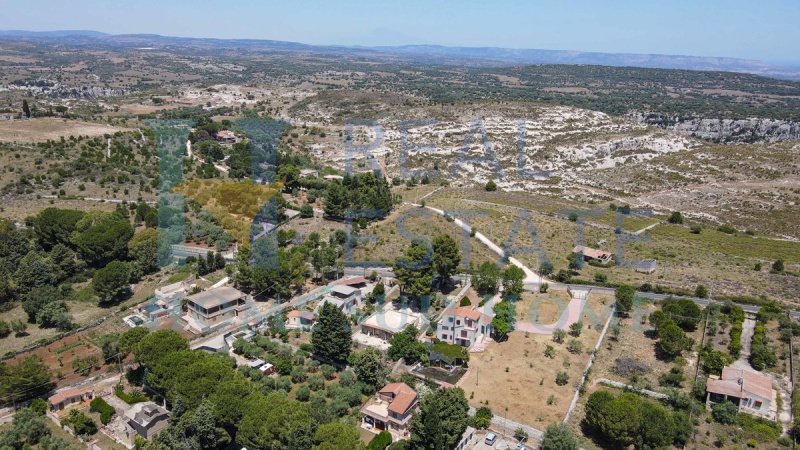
(106,411)
(381,441)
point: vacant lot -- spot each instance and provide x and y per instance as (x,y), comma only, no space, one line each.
(723,262)
(636,341)
(515,379)
(42,129)
(386,240)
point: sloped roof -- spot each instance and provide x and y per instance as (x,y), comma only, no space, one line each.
(739,382)
(468,312)
(307,315)
(591,252)
(403,395)
(59,397)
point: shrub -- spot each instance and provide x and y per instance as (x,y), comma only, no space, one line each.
(725,412)
(696,229)
(80,423)
(134,396)
(676,217)
(490,186)
(381,441)
(559,335)
(482,418)
(727,229)
(464,302)
(628,367)
(574,346)
(99,405)
(562,378)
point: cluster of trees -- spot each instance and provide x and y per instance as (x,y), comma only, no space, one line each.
(61,246)
(29,428)
(672,339)
(363,197)
(275,267)
(405,345)
(628,419)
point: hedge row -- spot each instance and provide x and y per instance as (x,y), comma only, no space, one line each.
(737,323)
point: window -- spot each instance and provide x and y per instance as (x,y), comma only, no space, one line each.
(757,404)
(444,336)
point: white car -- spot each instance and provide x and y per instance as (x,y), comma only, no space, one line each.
(491,438)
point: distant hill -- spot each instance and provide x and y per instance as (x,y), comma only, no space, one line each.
(49,34)
(433,54)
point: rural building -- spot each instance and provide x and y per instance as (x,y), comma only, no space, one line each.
(299,320)
(346,298)
(267,369)
(390,410)
(175,291)
(592,255)
(69,397)
(226,137)
(464,326)
(333,178)
(211,308)
(147,419)
(309,173)
(751,391)
(385,324)
(646,266)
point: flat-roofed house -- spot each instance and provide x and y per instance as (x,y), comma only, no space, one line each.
(213,307)
(751,391)
(385,324)
(147,419)
(299,320)
(346,298)
(69,397)
(390,410)
(464,326)
(593,255)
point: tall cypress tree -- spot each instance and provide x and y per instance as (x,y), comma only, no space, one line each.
(26,109)
(331,338)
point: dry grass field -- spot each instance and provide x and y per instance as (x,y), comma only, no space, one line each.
(723,262)
(44,128)
(515,379)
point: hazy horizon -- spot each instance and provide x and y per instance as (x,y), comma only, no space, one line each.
(735,29)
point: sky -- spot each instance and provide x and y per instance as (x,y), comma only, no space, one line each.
(766,30)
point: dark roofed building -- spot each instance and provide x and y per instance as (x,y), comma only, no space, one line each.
(147,419)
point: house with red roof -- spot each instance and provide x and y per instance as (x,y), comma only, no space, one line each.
(464,326)
(751,391)
(390,410)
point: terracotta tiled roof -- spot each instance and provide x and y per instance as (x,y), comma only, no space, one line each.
(308,315)
(468,312)
(63,395)
(403,396)
(751,383)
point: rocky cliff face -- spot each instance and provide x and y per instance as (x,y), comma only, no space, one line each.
(725,130)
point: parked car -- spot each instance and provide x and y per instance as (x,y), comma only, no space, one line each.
(491,438)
